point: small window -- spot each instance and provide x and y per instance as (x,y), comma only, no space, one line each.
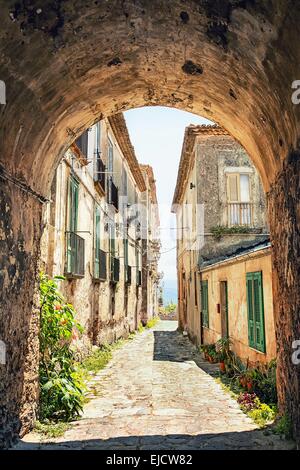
(255,304)
(238,197)
(204,303)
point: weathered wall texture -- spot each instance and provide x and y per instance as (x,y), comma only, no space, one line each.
(284,215)
(235,274)
(216,156)
(19,313)
(71,63)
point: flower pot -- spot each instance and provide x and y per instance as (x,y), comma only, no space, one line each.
(243,382)
(222,367)
(249,386)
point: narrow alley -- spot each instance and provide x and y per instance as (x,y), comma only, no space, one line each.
(157,393)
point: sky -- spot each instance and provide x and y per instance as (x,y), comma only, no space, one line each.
(157,136)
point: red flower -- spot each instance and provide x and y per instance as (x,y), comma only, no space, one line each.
(57,307)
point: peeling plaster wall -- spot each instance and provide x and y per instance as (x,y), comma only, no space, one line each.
(19,309)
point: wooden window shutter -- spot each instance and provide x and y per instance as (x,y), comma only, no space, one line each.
(256,322)
(97,241)
(250,310)
(232,188)
(259,311)
(204,303)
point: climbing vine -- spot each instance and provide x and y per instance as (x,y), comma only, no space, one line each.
(61,383)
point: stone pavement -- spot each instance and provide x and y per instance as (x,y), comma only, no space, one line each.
(157,393)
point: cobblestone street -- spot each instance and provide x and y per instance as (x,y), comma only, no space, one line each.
(157,393)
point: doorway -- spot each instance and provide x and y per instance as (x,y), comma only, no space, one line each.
(224,309)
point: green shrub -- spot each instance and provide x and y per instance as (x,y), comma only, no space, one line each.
(284,427)
(98,359)
(152,322)
(170,308)
(263,414)
(264,382)
(61,383)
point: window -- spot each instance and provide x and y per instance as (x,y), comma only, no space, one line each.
(73,204)
(74,243)
(113,259)
(255,304)
(97,242)
(98,137)
(238,197)
(110,157)
(82,143)
(124,181)
(204,303)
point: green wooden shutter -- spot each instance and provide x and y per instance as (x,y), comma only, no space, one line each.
(256,322)
(97,242)
(259,311)
(250,311)
(73,196)
(204,303)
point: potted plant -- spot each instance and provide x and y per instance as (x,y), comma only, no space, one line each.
(209,351)
(223,351)
(249,380)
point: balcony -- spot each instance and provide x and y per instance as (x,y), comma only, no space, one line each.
(128,276)
(114,269)
(101,266)
(75,255)
(113,194)
(239,213)
(99,175)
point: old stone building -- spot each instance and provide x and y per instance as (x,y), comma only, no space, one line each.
(94,234)
(224,254)
(150,247)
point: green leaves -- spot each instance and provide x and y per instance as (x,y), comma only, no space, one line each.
(61,384)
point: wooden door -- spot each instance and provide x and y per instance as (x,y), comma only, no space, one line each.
(224,309)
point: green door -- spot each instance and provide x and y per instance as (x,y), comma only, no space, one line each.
(255,304)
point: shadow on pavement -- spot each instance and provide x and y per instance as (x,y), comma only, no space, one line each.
(173,346)
(222,441)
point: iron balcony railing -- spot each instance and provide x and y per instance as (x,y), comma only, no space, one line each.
(239,213)
(99,175)
(113,194)
(128,271)
(114,269)
(75,255)
(101,266)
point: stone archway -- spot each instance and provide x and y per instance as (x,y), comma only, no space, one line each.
(68,63)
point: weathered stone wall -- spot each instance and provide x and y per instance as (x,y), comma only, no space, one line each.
(20,229)
(214,156)
(284,214)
